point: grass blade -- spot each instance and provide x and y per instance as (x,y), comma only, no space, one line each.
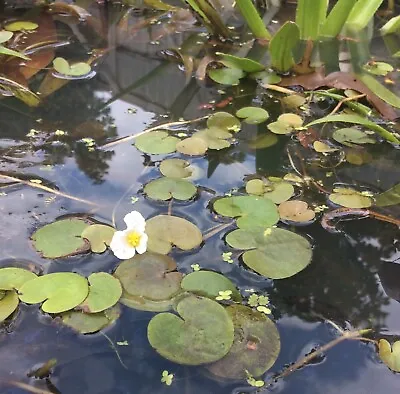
(337,17)
(362,12)
(392,26)
(310,15)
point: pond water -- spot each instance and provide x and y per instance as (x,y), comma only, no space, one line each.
(135,88)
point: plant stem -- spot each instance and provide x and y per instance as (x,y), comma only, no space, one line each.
(253,19)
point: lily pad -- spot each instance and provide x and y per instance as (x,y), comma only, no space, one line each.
(88,323)
(350,198)
(378,68)
(203,333)
(266,77)
(390,354)
(60,291)
(21,25)
(208,284)
(293,101)
(175,168)
(165,231)
(276,191)
(5,36)
(8,304)
(275,253)
(73,70)
(286,123)
(192,146)
(247,65)
(349,136)
(61,238)
(389,197)
(255,348)
(166,188)
(104,292)
(156,142)
(253,115)
(322,147)
(214,137)
(99,237)
(250,211)
(296,211)
(224,121)
(13,278)
(226,76)
(263,141)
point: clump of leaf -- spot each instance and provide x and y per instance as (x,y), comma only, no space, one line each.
(286,124)
(350,198)
(273,188)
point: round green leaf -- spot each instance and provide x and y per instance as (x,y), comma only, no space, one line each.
(293,101)
(226,76)
(74,70)
(175,168)
(390,355)
(277,192)
(8,304)
(247,65)
(224,121)
(85,323)
(61,238)
(5,36)
(349,135)
(263,141)
(253,115)
(99,237)
(214,137)
(208,284)
(192,146)
(322,147)
(279,128)
(350,198)
(202,334)
(156,142)
(291,120)
(266,77)
(21,25)
(166,188)
(274,253)
(12,278)
(104,292)
(60,291)
(251,211)
(255,348)
(296,211)
(165,231)
(378,68)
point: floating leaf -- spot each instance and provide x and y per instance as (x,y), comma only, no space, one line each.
(208,284)
(253,115)
(88,323)
(226,76)
(104,292)
(247,65)
(276,191)
(389,197)
(8,304)
(156,142)
(349,136)
(74,70)
(276,254)
(358,156)
(175,168)
(224,121)
(296,211)
(167,378)
(61,238)
(251,211)
(255,348)
(5,36)
(21,25)
(202,334)
(378,68)
(286,123)
(99,237)
(294,101)
(263,141)
(214,137)
(390,354)
(350,198)
(166,188)
(266,77)
(60,291)
(165,231)
(13,278)
(192,146)
(322,147)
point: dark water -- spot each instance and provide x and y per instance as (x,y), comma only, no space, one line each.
(133,89)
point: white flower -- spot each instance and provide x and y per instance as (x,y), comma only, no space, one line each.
(125,244)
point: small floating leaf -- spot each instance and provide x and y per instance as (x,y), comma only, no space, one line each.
(214,137)
(266,77)
(322,147)
(5,36)
(166,188)
(104,292)
(226,76)
(208,284)
(156,142)
(378,68)
(165,231)
(277,191)
(99,237)
(253,115)
(61,238)
(251,211)
(350,198)
(255,348)
(242,63)
(8,304)
(389,197)
(192,146)
(167,378)
(202,334)
(224,121)
(175,168)
(74,70)
(276,254)
(263,141)
(294,101)
(390,354)
(21,25)
(12,278)
(286,123)
(296,211)
(349,135)
(60,291)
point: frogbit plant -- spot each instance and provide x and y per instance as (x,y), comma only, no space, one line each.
(126,243)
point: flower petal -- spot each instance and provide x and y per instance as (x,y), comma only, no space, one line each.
(135,220)
(142,247)
(120,247)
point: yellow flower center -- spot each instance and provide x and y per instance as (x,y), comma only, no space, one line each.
(133,238)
